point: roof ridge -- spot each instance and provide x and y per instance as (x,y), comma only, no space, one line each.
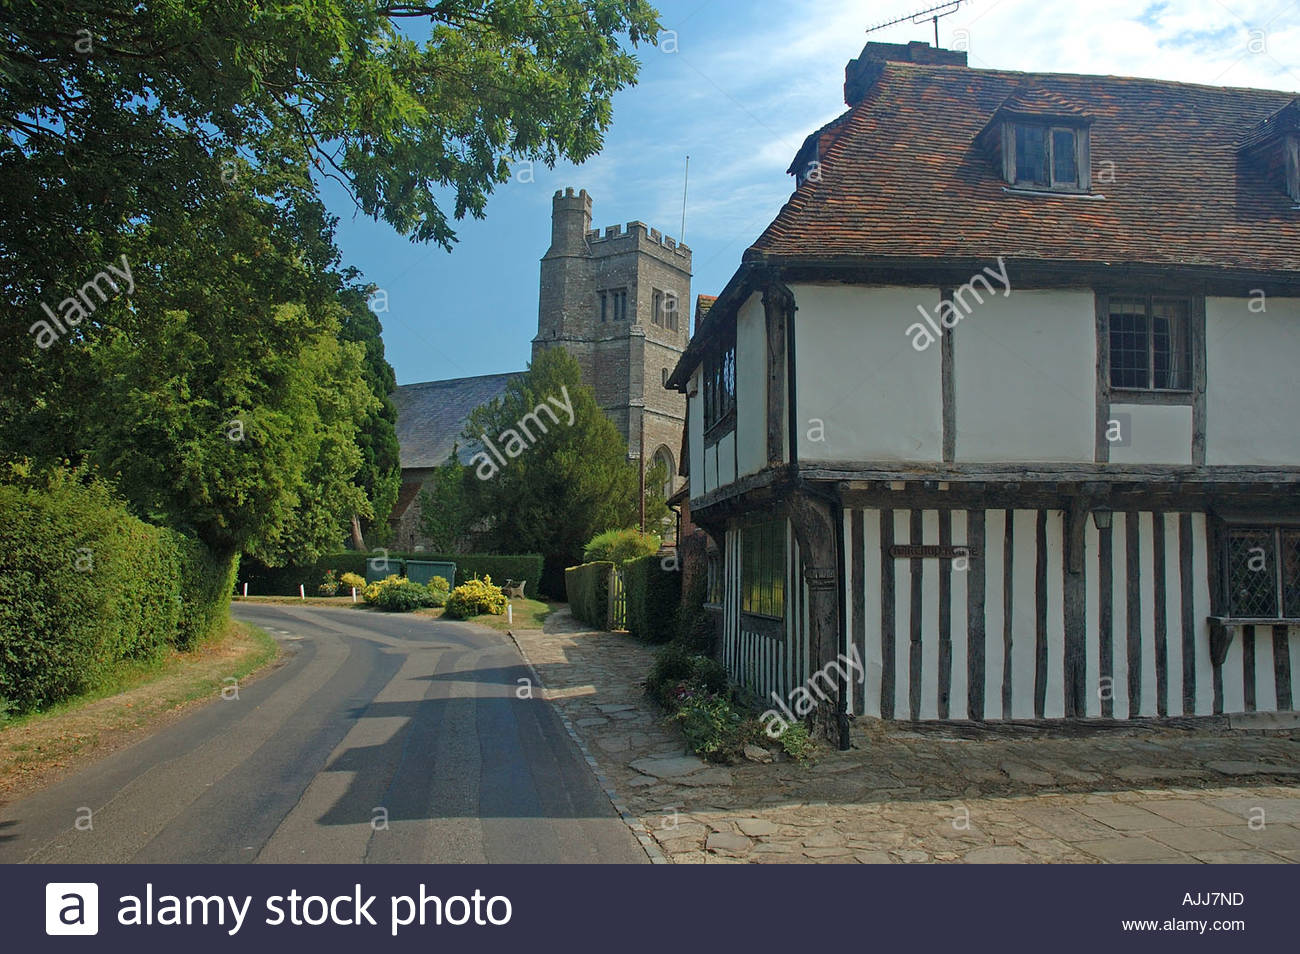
(471,377)
(944,67)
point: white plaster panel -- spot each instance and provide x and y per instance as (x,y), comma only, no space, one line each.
(727,460)
(1252,404)
(1156,434)
(1025,369)
(864,393)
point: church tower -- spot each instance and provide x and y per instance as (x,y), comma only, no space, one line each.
(618,301)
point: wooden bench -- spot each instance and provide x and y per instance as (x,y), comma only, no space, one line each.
(514,588)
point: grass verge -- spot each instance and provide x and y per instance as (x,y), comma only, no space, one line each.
(527,614)
(38,747)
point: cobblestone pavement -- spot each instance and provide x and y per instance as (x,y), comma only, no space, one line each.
(902,795)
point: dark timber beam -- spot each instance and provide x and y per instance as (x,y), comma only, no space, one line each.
(777,304)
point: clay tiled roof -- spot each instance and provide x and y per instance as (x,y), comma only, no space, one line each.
(906,178)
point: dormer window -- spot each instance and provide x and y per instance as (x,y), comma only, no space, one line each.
(1273,146)
(1041,142)
(1047,157)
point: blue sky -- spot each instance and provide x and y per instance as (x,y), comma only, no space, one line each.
(746,83)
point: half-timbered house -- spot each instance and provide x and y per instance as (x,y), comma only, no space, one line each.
(1005,401)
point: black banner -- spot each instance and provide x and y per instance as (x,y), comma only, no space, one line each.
(628,909)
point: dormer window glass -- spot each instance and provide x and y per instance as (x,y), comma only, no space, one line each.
(1047,157)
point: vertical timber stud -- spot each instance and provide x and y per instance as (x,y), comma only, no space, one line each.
(948,386)
(777,302)
(813,518)
(1076,518)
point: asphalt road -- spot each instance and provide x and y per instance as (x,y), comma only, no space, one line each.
(382,739)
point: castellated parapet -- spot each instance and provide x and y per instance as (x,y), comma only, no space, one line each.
(618,300)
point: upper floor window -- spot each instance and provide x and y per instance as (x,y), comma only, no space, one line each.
(1049,157)
(613,304)
(719,390)
(663,309)
(762,568)
(1263,572)
(1150,344)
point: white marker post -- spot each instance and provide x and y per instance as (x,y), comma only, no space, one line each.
(510,614)
(302,591)
(354,594)
(245,591)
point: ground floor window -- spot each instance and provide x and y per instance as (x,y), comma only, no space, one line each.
(762,568)
(713,581)
(1263,569)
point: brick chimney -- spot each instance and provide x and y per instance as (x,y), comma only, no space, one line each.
(861,73)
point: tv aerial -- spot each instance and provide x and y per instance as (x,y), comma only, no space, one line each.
(920,16)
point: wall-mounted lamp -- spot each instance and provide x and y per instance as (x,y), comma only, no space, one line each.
(1101,518)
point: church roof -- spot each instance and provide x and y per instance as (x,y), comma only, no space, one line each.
(431,416)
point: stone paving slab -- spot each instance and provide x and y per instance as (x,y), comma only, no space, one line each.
(907,795)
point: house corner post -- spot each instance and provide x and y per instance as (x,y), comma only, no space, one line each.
(813,519)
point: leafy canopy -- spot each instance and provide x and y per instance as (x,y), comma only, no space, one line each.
(191,136)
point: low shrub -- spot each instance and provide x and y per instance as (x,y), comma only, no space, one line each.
(329,586)
(587,590)
(439,590)
(619,546)
(714,727)
(402,596)
(797,742)
(371,593)
(476,598)
(351,581)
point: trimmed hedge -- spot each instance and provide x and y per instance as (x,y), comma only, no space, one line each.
(653,596)
(205,584)
(283,581)
(587,589)
(84,587)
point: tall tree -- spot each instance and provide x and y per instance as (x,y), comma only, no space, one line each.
(444,509)
(191,136)
(380,475)
(570,477)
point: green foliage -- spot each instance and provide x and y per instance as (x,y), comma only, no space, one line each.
(373,590)
(206,582)
(476,598)
(84,587)
(676,669)
(380,476)
(444,513)
(349,582)
(619,546)
(191,139)
(403,596)
(587,591)
(654,595)
(713,726)
(797,742)
(439,590)
(573,481)
(329,586)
